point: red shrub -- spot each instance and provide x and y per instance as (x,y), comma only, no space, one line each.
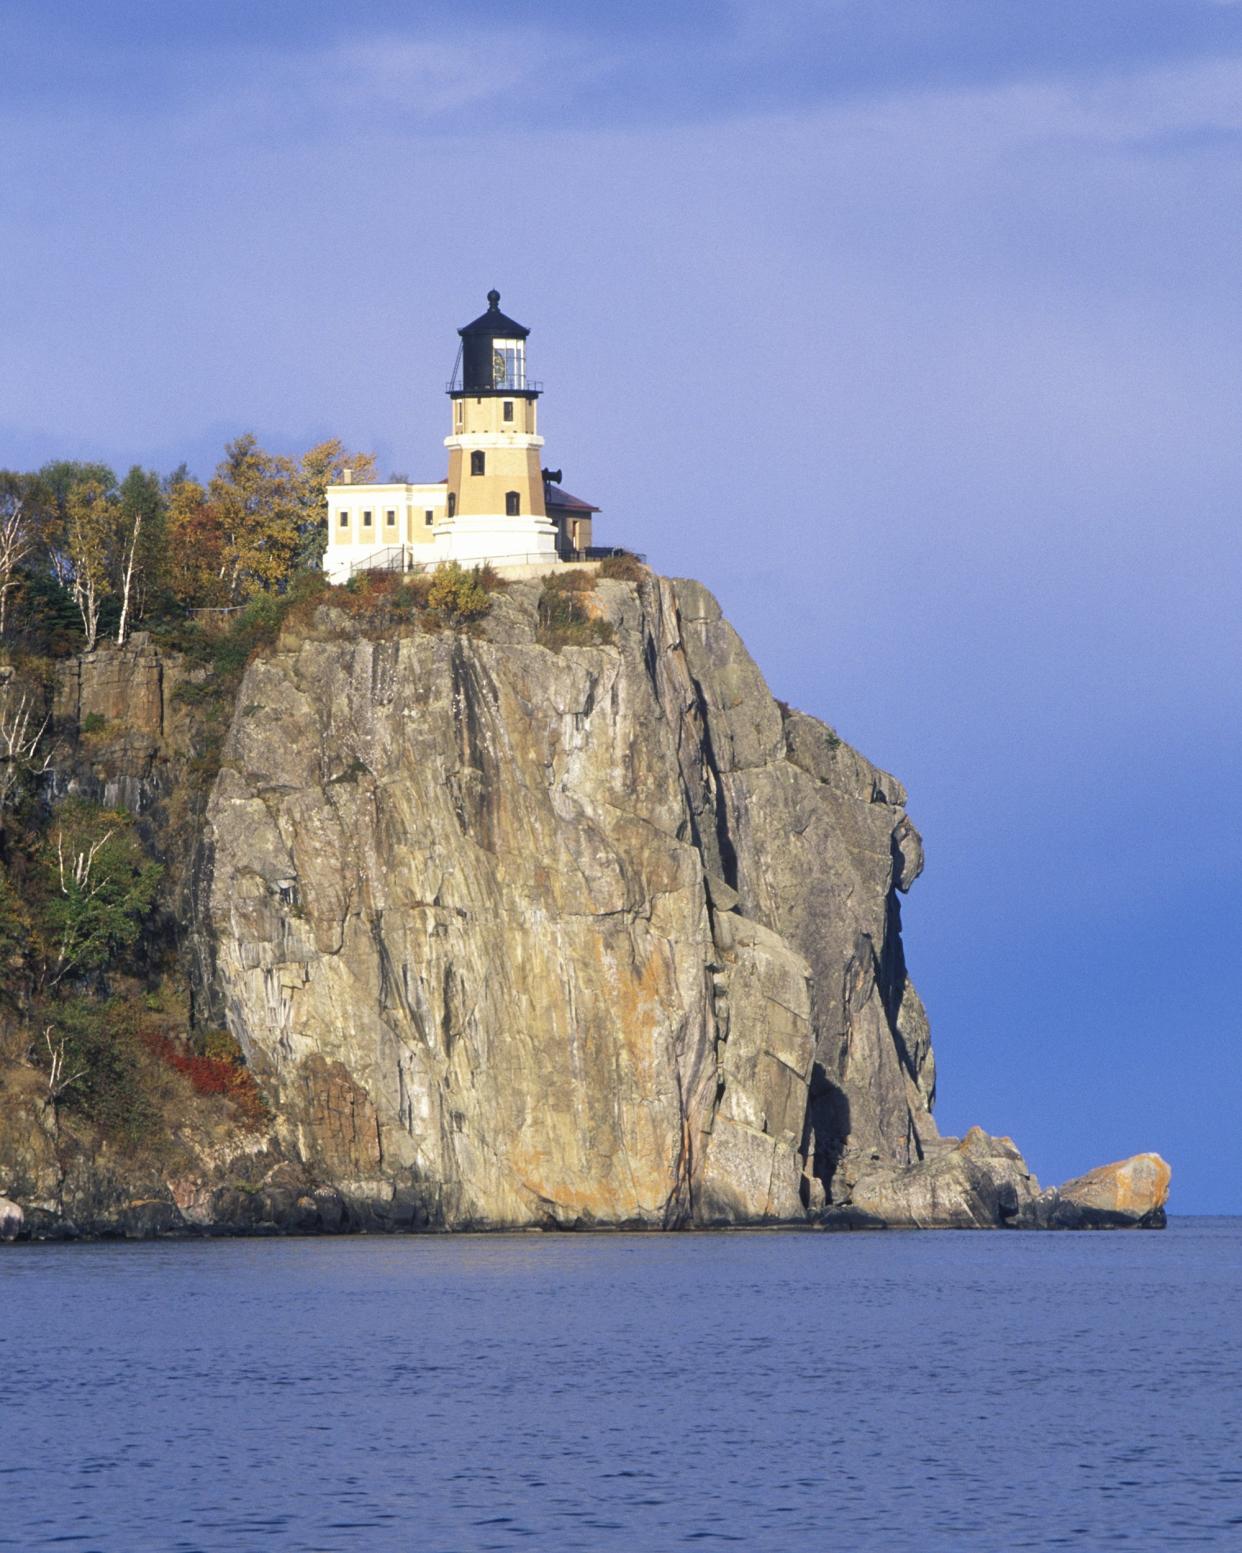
(213,1076)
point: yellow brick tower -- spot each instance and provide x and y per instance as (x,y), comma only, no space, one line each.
(495,503)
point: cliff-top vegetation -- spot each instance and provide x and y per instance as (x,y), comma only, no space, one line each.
(91,996)
(93,991)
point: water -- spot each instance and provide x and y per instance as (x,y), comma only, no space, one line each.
(763,1391)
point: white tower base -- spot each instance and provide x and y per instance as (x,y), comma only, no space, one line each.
(504,541)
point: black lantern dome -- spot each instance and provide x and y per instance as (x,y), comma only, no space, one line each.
(493,355)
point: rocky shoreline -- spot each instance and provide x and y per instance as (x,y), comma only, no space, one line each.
(1129,1194)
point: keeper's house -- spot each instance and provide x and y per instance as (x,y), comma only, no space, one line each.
(498,503)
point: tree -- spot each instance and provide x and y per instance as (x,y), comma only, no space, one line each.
(141,513)
(98,885)
(50,494)
(194,558)
(254,496)
(322,466)
(90,543)
(16,536)
(23,755)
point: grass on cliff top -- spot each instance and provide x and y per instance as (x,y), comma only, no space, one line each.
(564,618)
(623,566)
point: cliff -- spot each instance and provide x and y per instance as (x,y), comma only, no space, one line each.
(518,936)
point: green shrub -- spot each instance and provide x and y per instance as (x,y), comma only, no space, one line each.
(94,722)
(457,595)
(96,886)
(101,1052)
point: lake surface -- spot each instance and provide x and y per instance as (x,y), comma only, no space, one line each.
(764,1391)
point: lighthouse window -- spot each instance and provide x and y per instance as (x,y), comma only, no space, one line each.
(428,518)
(390,518)
(513,504)
(366,520)
(344,520)
(508,409)
(478,463)
(452,503)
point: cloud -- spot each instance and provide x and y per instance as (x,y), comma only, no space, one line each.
(383,84)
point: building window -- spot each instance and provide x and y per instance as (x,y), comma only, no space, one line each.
(461,411)
(478,462)
(390,518)
(508,412)
(513,504)
(452,504)
(344,520)
(429,518)
(366,520)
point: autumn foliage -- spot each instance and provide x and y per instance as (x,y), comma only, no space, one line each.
(209,1074)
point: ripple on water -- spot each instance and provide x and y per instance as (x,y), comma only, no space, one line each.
(905,1392)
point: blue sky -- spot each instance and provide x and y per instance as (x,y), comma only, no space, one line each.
(911,329)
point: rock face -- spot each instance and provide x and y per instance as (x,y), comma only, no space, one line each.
(597,936)
(11,1218)
(510,936)
(1128,1194)
(976,1182)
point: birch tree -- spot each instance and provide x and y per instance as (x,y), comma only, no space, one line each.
(23,754)
(140,510)
(16,538)
(52,490)
(90,536)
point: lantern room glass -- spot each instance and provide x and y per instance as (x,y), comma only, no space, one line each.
(508,364)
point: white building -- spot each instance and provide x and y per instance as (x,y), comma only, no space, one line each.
(494,504)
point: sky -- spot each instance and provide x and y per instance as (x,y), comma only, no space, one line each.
(911,329)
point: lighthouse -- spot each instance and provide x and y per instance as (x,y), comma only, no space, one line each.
(497,504)
(495,507)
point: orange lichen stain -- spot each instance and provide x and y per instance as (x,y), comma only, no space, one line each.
(1135,1185)
(1141,1183)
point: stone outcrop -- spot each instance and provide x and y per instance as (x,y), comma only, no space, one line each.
(976,1182)
(513,936)
(1130,1194)
(11,1218)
